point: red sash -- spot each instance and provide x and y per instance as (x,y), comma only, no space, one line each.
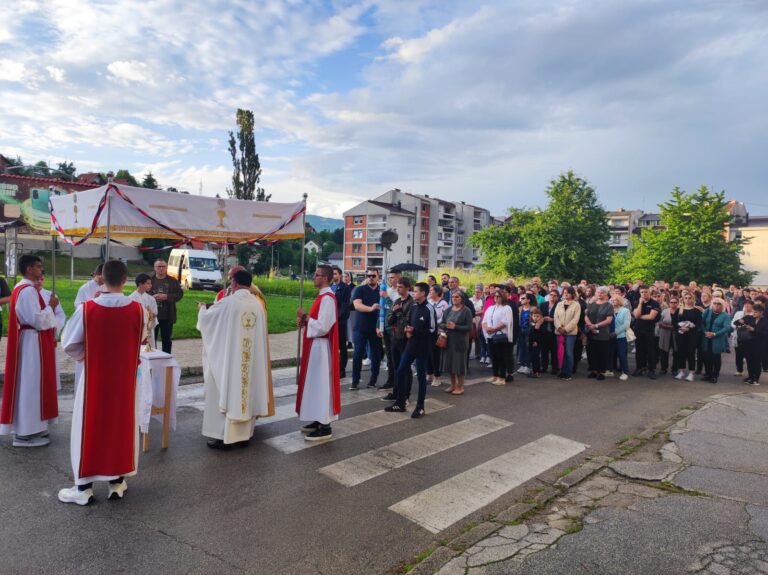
(112,339)
(333,341)
(49,403)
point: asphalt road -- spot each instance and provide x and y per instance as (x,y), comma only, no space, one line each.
(261,510)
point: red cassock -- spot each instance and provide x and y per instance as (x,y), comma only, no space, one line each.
(112,342)
(49,404)
(333,343)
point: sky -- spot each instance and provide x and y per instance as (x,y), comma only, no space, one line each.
(484,102)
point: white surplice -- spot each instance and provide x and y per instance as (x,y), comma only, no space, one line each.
(61,319)
(26,419)
(317,398)
(73,342)
(236,369)
(87,292)
(149,303)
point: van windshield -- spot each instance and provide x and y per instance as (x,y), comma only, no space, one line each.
(204,264)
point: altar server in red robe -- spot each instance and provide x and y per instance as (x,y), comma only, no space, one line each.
(106,334)
(29,392)
(319,396)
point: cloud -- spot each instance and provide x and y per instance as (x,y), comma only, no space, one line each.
(56,74)
(130,71)
(11,71)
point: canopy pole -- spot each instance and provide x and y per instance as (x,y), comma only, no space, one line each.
(109,220)
(301,286)
(53,263)
(71,263)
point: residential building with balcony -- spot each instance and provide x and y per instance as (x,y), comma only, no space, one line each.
(431,232)
(622,224)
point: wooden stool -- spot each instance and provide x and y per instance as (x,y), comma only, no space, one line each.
(165,411)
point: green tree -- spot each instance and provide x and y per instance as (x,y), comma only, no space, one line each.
(149,181)
(691,244)
(67,168)
(567,240)
(126,175)
(247,168)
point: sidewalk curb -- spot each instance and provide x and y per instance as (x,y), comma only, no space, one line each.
(443,552)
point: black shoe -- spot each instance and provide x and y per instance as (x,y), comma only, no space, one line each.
(354,387)
(342,374)
(651,375)
(418,412)
(510,378)
(705,378)
(387,386)
(566,377)
(747,380)
(638,372)
(713,380)
(389,397)
(600,377)
(218,444)
(372,384)
(395,408)
(592,375)
(319,434)
(663,372)
(310,427)
(553,372)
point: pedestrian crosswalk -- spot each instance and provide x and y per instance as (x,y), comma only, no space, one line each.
(442,505)
(365,466)
(436,507)
(293,442)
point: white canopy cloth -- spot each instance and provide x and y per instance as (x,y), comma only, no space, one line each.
(172,215)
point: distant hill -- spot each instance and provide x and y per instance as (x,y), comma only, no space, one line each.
(320,223)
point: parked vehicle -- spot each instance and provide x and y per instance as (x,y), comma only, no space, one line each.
(195,269)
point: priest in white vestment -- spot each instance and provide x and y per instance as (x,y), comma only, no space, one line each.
(318,400)
(236,369)
(22,414)
(143,285)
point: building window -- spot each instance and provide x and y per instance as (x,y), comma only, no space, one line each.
(357,248)
(357,220)
(356,262)
(357,234)
(423,236)
(424,208)
(408,249)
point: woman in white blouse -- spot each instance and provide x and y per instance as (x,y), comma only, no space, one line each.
(498,326)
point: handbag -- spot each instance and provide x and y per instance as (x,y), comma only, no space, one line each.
(499,337)
(743,336)
(442,340)
(631,335)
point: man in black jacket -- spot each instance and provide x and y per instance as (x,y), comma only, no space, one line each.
(419,329)
(397,321)
(167,292)
(343,295)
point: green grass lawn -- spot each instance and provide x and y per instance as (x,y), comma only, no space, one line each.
(281,310)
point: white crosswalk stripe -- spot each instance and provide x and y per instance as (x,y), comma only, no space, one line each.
(442,505)
(376,462)
(293,442)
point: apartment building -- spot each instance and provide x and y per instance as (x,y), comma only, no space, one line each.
(622,224)
(431,232)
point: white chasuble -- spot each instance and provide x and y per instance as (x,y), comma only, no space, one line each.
(236,367)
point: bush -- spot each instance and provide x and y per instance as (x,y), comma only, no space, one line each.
(284,287)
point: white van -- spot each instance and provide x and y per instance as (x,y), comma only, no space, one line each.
(195,269)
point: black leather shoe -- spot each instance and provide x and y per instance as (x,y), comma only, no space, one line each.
(218,444)
(418,412)
(651,375)
(394,409)
(713,380)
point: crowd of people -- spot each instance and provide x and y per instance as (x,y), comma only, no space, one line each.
(539,327)
(431,330)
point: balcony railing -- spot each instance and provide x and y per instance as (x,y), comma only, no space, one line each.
(377,224)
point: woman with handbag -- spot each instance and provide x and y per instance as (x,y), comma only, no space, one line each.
(456,324)
(498,325)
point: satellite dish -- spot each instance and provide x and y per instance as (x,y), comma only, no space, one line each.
(388,237)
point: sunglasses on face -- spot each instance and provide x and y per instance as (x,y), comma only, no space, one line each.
(371,276)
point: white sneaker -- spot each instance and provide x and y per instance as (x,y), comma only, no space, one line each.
(33,441)
(679,375)
(74,495)
(366,361)
(521,369)
(608,374)
(622,377)
(690,376)
(738,373)
(117,490)
(436,382)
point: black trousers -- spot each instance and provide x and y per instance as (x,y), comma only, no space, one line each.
(741,356)
(645,351)
(165,329)
(754,358)
(435,360)
(499,354)
(343,351)
(549,352)
(686,349)
(597,355)
(398,349)
(712,362)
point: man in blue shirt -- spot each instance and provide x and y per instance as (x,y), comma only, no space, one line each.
(365,298)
